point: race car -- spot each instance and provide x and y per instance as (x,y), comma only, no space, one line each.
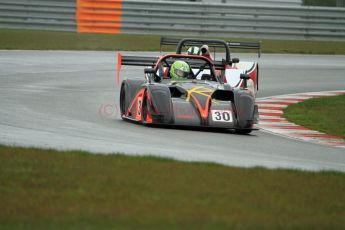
(202,98)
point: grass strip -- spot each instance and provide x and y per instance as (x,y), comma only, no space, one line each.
(46,189)
(14,39)
(324,114)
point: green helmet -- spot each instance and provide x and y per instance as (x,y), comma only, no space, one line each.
(179,70)
(194,50)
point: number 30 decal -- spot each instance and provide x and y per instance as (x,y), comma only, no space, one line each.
(221,115)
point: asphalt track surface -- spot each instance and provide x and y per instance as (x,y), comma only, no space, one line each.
(69,100)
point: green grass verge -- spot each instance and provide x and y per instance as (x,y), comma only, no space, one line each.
(324,114)
(45,189)
(50,40)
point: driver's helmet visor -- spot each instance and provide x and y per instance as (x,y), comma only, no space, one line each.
(181,73)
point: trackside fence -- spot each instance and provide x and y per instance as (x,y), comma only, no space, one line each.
(38,14)
(176,18)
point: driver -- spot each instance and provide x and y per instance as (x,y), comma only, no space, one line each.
(205,52)
(179,70)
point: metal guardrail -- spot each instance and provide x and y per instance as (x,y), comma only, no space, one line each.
(56,15)
(255,2)
(180,19)
(223,20)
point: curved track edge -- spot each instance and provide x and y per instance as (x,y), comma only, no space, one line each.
(272,120)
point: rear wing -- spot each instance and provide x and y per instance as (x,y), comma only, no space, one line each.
(133,61)
(238,45)
(139,61)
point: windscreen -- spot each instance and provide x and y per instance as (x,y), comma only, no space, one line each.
(200,69)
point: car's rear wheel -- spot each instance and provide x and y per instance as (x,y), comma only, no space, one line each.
(123,99)
(128,90)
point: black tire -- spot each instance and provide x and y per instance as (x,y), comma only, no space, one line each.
(129,88)
(246,130)
(243,131)
(123,104)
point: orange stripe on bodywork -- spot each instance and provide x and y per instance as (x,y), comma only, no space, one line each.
(149,116)
(149,119)
(203,111)
(99,16)
(137,114)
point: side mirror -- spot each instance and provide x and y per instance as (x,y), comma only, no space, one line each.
(245,77)
(150,74)
(235,60)
(149,70)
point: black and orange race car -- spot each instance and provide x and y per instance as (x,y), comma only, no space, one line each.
(205,98)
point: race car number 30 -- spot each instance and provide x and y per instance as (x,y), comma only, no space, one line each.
(221,115)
